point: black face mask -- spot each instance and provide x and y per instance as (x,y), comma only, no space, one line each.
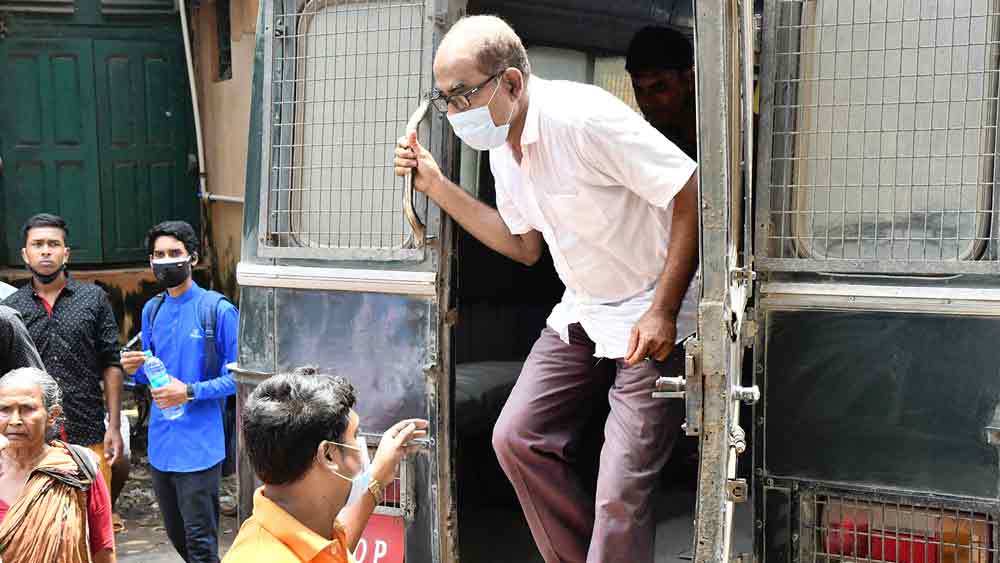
(46,279)
(173,273)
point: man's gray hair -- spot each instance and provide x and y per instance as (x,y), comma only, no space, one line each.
(51,394)
(499,47)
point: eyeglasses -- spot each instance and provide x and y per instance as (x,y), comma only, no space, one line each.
(458,101)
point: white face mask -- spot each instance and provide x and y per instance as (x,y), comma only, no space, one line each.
(360,482)
(476,128)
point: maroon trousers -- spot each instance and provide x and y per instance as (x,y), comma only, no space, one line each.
(540,429)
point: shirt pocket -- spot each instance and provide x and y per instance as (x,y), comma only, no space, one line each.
(580,213)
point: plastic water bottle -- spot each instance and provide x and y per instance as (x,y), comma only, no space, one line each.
(156,372)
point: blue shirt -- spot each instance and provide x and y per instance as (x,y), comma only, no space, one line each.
(196,440)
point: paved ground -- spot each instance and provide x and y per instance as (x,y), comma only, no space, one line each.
(147,543)
(144,540)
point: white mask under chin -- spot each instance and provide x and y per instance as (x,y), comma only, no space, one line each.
(476,128)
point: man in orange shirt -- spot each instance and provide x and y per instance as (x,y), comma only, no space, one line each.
(301,435)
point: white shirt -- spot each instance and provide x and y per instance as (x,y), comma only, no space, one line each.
(598,182)
(6,290)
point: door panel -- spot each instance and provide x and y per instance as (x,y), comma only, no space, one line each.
(144,126)
(50,153)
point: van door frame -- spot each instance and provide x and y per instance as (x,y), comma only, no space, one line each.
(713,392)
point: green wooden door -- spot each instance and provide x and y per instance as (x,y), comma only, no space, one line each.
(48,141)
(144,126)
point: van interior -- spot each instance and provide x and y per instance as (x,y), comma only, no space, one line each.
(502,305)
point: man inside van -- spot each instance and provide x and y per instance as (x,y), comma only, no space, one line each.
(616,203)
(194,332)
(660,62)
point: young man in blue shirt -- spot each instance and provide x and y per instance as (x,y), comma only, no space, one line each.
(186,453)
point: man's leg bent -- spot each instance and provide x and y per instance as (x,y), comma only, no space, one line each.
(166,497)
(638,437)
(536,437)
(198,500)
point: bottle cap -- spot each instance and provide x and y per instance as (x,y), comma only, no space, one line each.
(147,353)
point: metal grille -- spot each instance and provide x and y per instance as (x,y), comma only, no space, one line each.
(847,528)
(345,77)
(883,128)
(400,494)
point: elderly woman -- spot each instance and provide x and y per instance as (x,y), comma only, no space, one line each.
(54,504)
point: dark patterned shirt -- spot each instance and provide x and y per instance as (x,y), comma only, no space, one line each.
(16,348)
(77,341)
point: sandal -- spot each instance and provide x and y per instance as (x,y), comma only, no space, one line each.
(117,523)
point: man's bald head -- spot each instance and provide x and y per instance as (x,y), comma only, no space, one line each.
(489,41)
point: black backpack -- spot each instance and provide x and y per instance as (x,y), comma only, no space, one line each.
(208,306)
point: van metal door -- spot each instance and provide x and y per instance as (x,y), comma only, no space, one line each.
(343,266)
(877,252)
(714,360)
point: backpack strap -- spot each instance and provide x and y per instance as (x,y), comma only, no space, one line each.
(156,302)
(81,456)
(208,312)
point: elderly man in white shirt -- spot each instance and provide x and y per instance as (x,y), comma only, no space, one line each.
(616,203)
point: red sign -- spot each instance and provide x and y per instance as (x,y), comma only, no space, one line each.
(382,541)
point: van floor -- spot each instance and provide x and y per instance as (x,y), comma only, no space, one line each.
(499,534)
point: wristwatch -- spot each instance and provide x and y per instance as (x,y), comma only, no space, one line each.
(190,392)
(377,490)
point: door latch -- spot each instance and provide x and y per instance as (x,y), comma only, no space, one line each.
(688,387)
(670,388)
(737,490)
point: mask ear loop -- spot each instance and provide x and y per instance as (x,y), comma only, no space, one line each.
(337,473)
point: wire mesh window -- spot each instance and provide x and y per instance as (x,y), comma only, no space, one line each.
(847,528)
(610,74)
(883,130)
(345,76)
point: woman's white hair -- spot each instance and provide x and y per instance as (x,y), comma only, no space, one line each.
(51,394)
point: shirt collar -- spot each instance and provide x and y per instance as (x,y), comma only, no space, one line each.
(536,88)
(72,284)
(187,296)
(305,543)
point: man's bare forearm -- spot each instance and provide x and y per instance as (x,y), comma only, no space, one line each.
(113,395)
(485,223)
(682,257)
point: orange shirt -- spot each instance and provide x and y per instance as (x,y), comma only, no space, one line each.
(273,535)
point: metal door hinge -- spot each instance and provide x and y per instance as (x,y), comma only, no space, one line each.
(441,18)
(749,395)
(742,276)
(280,28)
(451,317)
(993,435)
(748,330)
(737,490)
(738,440)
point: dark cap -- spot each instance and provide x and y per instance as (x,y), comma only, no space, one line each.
(659,48)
